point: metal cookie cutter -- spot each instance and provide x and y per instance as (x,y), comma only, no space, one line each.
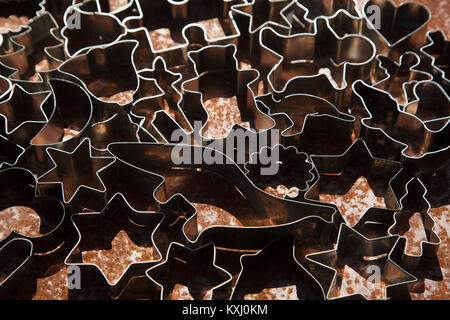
(176,59)
(179,217)
(119,177)
(314,235)
(436,50)
(104,29)
(354,162)
(431,104)
(97,231)
(121,127)
(213,64)
(399,78)
(22,115)
(262,217)
(316,85)
(275,266)
(343,24)
(311,234)
(348,58)
(264,13)
(195,269)
(423,150)
(363,256)
(70,111)
(18,187)
(15,257)
(295,172)
(397,28)
(285,17)
(185,20)
(74,177)
(31,54)
(108,72)
(128,181)
(398,223)
(256,221)
(307,121)
(165,100)
(110,63)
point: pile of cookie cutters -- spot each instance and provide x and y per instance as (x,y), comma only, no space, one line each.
(93,105)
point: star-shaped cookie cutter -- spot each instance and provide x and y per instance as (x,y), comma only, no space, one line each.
(372,167)
(74,171)
(117,209)
(176,270)
(351,243)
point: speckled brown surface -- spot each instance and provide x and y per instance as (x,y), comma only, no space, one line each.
(223,113)
(21,219)
(117,4)
(12,23)
(53,287)
(354,202)
(221,103)
(352,277)
(15,14)
(113,262)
